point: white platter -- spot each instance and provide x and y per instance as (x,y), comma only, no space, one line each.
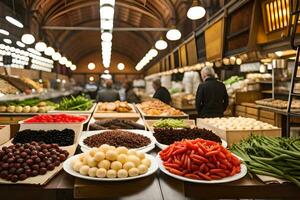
(238,176)
(90,111)
(144,149)
(68,168)
(163,146)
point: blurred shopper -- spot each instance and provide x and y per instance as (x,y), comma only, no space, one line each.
(108,94)
(161,93)
(130,95)
(211,97)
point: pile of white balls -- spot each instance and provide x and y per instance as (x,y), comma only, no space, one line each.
(238,123)
(111,162)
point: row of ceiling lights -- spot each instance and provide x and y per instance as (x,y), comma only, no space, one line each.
(194,13)
(28,39)
(107,9)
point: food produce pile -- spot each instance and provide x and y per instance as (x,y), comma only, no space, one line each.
(21,161)
(169,135)
(112,124)
(34,85)
(158,108)
(278,103)
(238,123)
(117,138)
(276,157)
(80,103)
(62,138)
(233,79)
(200,159)
(25,85)
(117,106)
(170,123)
(34,105)
(7,88)
(56,118)
(111,162)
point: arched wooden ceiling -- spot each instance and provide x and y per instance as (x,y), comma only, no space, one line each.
(128,13)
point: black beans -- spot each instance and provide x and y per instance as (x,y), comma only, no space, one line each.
(169,136)
(61,138)
(117,138)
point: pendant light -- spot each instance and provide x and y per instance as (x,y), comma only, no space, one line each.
(56,56)
(40,46)
(161,44)
(173,34)
(73,67)
(4,32)
(14,21)
(196,11)
(20,44)
(121,66)
(49,51)
(27,38)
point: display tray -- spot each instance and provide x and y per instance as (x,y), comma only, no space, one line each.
(149,124)
(67,167)
(163,146)
(41,179)
(183,116)
(76,127)
(113,114)
(144,149)
(265,103)
(90,111)
(238,176)
(93,120)
(235,136)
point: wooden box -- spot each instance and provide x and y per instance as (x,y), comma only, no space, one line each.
(4,133)
(235,136)
(240,108)
(252,111)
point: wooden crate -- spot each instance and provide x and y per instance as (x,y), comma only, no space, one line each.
(240,108)
(4,133)
(267,114)
(269,121)
(235,136)
(252,116)
(252,111)
(241,114)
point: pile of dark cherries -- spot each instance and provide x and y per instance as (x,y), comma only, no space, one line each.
(21,161)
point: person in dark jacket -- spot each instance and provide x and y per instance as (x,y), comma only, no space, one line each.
(130,95)
(211,97)
(108,94)
(161,92)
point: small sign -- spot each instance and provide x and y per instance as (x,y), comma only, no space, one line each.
(250,67)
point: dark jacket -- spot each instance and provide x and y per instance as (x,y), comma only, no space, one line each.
(107,95)
(162,94)
(211,98)
(131,96)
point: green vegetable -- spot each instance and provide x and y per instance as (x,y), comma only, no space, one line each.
(232,80)
(80,103)
(277,157)
(170,123)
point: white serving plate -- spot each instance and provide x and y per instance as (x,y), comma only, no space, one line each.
(144,149)
(238,176)
(163,146)
(68,168)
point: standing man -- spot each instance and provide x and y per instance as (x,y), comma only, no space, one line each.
(161,93)
(108,94)
(131,96)
(211,97)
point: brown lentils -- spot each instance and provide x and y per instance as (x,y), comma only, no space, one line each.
(117,138)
